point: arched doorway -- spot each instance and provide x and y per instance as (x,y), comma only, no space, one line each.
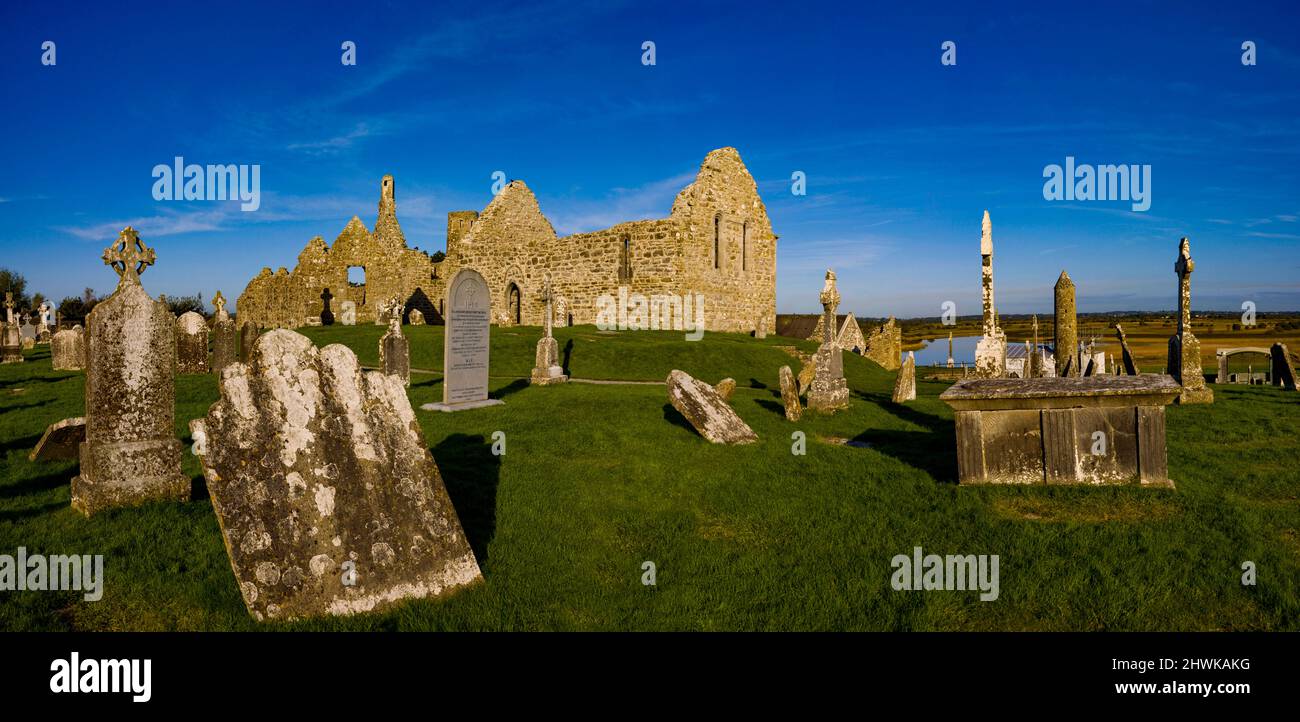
(514,303)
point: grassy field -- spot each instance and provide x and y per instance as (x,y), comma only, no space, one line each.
(598,479)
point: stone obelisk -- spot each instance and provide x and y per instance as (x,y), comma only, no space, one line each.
(1035,361)
(546,367)
(950,362)
(1066,338)
(828,391)
(991,351)
(131,454)
(1184,348)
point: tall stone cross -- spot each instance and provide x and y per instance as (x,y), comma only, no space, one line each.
(9,306)
(830,299)
(986,262)
(219,303)
(129,256)
(547,298)
(1184,267)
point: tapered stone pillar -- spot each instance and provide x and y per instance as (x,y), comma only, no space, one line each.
(991,351)
(1066,334)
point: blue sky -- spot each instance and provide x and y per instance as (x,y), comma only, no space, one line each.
(902,154)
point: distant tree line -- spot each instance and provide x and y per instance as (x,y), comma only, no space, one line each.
(74,309)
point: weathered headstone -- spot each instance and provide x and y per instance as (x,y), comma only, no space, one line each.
(131,454)
(760,328)
(223,336)
(905,384)
(27,332)
(1130,368)
(991,351)
(11,341)
(415,318)
(828,392)
(61,440)
(725,388)
(328,498)
(1066,341)
(706,411)
(466,343)
(790,395)
(1283,370)
(546,366)
(248,334)
(68,349)
(348,313)
(806,374)
(191,343)
(394,348)
(885,344)
(44,316)
(1184,360)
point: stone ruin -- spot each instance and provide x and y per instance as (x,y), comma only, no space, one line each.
(131,454)
(191,343)
(394,348)
(68,349)
(849,336)
(885,344)
(828,392)
(547,369)
(224,341)
(328,498)
(716,240)
(1184,360)
(991,351)
(711,416)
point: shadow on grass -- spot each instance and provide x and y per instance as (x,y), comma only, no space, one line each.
(511,388)
(25,445)
(674,417)
(933,451)
(471,472)
(37,484)
(568,351)
(18,514)
(774,407)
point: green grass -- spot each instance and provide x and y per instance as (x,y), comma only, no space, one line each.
(597,479)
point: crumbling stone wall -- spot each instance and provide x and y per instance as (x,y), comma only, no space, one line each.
(514,247)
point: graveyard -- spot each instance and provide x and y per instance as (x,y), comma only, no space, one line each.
(596,479)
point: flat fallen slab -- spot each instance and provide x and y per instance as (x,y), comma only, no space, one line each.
(61,440)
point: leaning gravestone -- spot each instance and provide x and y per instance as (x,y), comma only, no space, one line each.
(1283,371)
(191,344)
(905,384)
(725,388)
(466,344)
(247,338)
(348,313)
(790,395)
(131,454)
(394,349)
(61,440)
(328,499)
(1130,367)
(707,412)
(223,335)
(68,349)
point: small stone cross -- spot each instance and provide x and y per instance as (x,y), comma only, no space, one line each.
(219,303)
(129,256)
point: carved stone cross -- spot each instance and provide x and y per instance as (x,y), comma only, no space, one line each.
(830,299)
(547,298)
(1184,267)
(129,256)
(219,303)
